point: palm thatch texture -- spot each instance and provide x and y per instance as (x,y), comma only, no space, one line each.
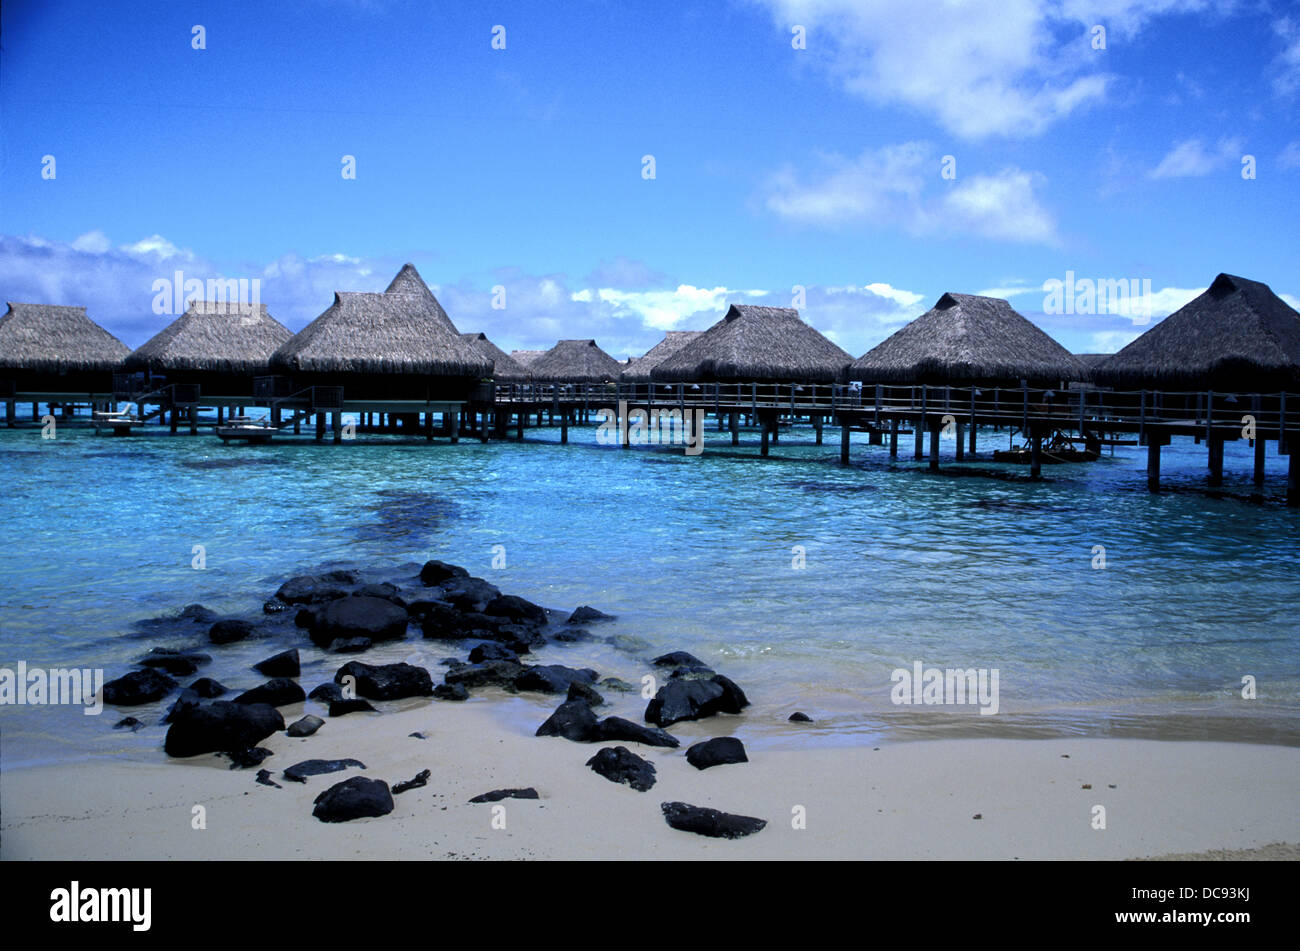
(401,331)
(638,371)
(967,340)
(504,368)
(1237,336)
(525,358)
(756,344)
(216,337)
(46,338)
(575,361)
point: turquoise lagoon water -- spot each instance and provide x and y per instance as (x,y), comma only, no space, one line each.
(973,567)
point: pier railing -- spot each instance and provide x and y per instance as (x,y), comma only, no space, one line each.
(1133,410)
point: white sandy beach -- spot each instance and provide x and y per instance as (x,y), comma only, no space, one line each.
(911,800)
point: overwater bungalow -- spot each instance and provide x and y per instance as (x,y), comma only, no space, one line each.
(398,345)
(220,347)
(51,349)
(638,370)
(504,368)
(575,361)
(756,345)
(1238,336)
(967,340)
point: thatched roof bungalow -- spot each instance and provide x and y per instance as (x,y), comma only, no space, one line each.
(504,368)
(46,348)
(756,344)
(575,361)
(638,370)
(969,340)
(220,346)
(398,345)
(1238,336)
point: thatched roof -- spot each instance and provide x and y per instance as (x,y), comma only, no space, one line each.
(966,339)
(53,339)
(1238,335)
(525,358)
(215,337)
(575,361)
(755,344)
(504,369)
(404,330)
(638,371)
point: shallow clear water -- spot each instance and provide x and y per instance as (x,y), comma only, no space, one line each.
(973,567)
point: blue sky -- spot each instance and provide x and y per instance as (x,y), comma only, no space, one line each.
(522,167)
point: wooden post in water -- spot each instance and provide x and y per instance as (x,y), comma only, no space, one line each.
(961,443)
(763,423)
(520,416)
(336,423)
(935,428)
(564,428)
(1216,459)
(1036,456)
(845,435)
(735,429)
(1293,480)
(193,413)
(320,426)
(1153,464)
(817,425)
(893,438)
(1260,447)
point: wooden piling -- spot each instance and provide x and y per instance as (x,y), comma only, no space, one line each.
(320,426)
(735,429)
(1260,446)
(893,438)
(1153,464)
(1293,480)
(817,425)
(336,425)
(564,428)
(845,435)
(935,429)
(1215,448)
(961,443)
(1036,456)
(919,426)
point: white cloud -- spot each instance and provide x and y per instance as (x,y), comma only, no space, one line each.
(1292,301)
(1290,157)
(666,309)
(1287,65)
(96,242)
(1191,158)
(979,68)
(1112,341)
(899,186)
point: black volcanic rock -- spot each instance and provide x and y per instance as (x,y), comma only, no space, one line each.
(678,659)
(355,798)
(278,692)
(128,723)
(229,631)
(694,699)
(299,772)
(283,664)
(387,681)
(718,751)
(264,777)
(612,729)
(326,693)
(436,572)
(515,609)
(709,822)
(176,663)
(208,689)
(798,717)
(618,764)
(137,687)
(450,692)
(497,795)
(341,708)
(350,645)
(420,779)
(587,614)
(307,726)
(491,651)
(572,720)
(358,616)
(249,758)
(315,589)
(220,727)
(553,678)
(468,593)
(500,673)
(579,690)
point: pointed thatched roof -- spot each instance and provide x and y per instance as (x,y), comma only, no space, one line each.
(504,368)
(638,371)
(53,339)
(756,344)
(1238,335)
(403,330)
(966,339)
(575,361)
(215,337)
(525,358)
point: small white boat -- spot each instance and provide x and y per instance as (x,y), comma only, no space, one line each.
(246,429)
(116,423)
